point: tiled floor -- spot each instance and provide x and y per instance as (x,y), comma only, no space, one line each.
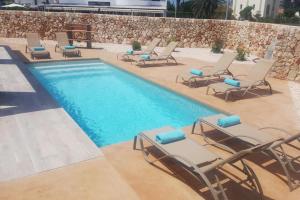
(123,173)
(36,134)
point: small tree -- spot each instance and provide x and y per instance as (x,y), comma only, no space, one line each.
(290,7)
(205,8)
(246,13)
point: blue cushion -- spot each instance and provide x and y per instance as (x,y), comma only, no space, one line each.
(171,136)
(38,48)
(69,47)
(197,72)
(232,82)
(145,57)
(229,121)
(130,52)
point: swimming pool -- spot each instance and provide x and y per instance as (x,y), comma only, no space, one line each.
(112,105)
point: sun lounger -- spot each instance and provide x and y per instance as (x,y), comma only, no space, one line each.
(254,79)
(34,46)
(253,136)
(269,52)
(149,50)
(64,46)
(199,160)
(165,55)
(221,68)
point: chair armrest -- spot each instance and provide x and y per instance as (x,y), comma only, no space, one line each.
(220,71)
(239,75)
(282,131)
(256,59)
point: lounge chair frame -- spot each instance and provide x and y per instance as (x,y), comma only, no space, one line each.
(33,40)
(246,90)
(247,85)
(150,50)
(269,51)
(275,150)
(165,55)
(200,173)
(62,41)
(218,73)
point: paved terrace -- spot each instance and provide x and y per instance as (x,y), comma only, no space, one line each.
(119,166)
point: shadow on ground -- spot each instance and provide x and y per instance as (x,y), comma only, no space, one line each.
(235,187)
(16,102)
(255,93)
(266,162)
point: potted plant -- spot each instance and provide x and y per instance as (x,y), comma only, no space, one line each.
(217,46)
(136,46)
(241,53)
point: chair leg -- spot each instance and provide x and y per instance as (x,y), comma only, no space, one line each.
(194,126)
(134,142)
(230,73)
(190,84)
(176,80)
(270,87)
(222,191)
(207,90)
(215,193)
(201,127)
(227,95)
(253,179)
(283,162)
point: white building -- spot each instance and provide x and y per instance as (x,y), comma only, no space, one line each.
(34,2)
(111,3)
(138,7)
(266,8)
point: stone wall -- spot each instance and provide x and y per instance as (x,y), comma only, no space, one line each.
(190,32)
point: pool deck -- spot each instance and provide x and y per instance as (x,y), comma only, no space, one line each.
(36,134)
(29,111)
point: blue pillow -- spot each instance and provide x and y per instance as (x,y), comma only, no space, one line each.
(38,48)
(69,47)
(229,121)
(197,72)
(232,82)
(145,57)
(171,136)
(130,52)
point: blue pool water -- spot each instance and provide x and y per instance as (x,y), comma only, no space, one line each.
(111,105)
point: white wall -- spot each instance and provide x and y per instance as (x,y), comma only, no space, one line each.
(121,2)
(261,7)
(32,1)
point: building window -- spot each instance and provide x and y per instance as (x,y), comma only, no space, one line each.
(268,10)
(241,6)
(96,3)
(253,6)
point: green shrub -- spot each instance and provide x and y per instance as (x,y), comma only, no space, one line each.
(136,46)
(217,46)
(246,13)
(281,19)
(241,53)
